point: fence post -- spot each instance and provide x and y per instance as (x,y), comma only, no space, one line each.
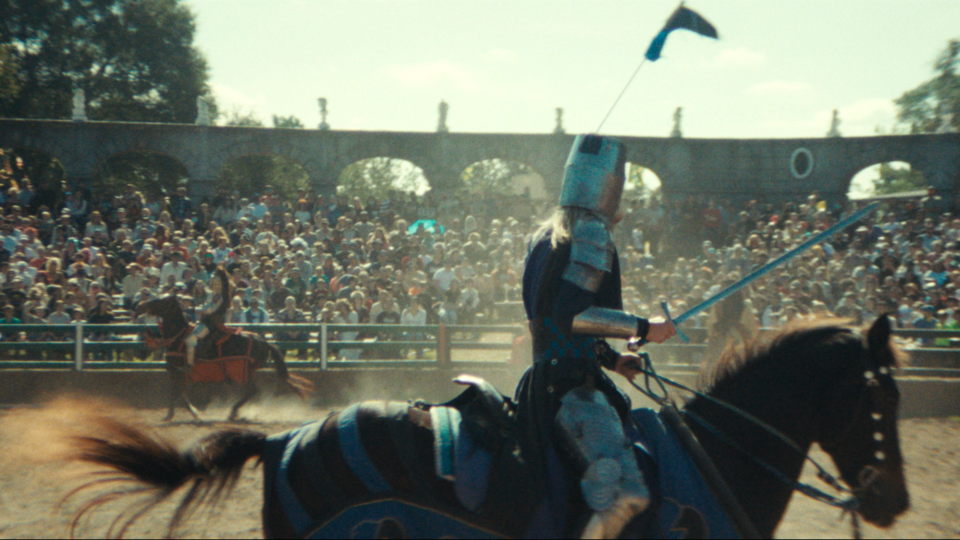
(78,348)
(443,346)
(323,347)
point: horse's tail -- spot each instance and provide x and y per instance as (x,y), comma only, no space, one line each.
(210,468)
(301,385)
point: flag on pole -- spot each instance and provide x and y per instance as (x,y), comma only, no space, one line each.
(682,18)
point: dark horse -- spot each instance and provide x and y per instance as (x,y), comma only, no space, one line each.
(233,357)
(819,382)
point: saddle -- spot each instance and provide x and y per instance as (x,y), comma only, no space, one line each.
(476,448)
(210,346)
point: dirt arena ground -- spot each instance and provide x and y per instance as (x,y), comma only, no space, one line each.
(29,493)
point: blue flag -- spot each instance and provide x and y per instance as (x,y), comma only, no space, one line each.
(681,18)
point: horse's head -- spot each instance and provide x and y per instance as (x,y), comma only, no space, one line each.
(859,429)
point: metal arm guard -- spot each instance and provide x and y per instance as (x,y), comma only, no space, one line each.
(591,253)
(609,323)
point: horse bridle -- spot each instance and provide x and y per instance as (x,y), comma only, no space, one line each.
(849,504)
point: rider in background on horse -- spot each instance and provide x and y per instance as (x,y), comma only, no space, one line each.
(212,313)
(567,407)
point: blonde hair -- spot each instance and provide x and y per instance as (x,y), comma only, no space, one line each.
(560,224)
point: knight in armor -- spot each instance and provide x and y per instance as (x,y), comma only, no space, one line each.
(211,313)
(568,409)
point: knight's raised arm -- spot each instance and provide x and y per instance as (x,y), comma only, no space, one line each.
(609,323)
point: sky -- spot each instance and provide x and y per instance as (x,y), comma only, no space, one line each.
(778,70)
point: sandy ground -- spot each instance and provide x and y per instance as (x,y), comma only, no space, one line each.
(29,494)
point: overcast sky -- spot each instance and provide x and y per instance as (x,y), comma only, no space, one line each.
(778,70)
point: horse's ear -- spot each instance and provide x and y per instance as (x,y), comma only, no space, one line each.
(878,337)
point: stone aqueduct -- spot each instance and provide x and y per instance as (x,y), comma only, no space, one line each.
(773,169)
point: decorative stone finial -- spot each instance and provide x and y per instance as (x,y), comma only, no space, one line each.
(559,129)
(442,124)
(323,114)
(203,112)
(677,117)
(79,106)
(835,125)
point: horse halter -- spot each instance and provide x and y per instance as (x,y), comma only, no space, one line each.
(871,392)
(848,505)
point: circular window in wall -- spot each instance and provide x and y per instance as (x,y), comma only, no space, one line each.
(801,163)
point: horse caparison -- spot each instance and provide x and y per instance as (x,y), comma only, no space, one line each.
(817,382)
(248,352)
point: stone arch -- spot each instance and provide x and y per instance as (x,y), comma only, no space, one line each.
(504,175)
(377,175)
(857,185)
(642,181)
(152,172)
(250,173)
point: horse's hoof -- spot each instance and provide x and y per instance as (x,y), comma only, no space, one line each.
(167,418)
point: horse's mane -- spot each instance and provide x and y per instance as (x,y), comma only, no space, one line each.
(798,335)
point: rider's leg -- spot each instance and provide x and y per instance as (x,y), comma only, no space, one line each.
(198,333)
(612,484)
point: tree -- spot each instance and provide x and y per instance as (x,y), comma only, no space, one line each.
(894,179)
(924,107)
(134,59)
(9,66)
(240,119)
(151,173)
(252,173)
(287,122)
(377,177)
(493,176)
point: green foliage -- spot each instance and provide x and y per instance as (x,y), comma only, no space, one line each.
(923,107)
(134,59)
(9,66)
(377,177)
(251,174)
(240,119)
(151,173)
(493,176)
(287,122)
(894,179)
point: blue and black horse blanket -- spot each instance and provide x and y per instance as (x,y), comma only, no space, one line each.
(381,469)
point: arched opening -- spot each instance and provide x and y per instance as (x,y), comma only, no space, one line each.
(503,177)
(895,178)
(642,183)
(379,177)
(251,174)
(153,174)
(23,167)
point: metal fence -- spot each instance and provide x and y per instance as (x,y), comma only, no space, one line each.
(96,346)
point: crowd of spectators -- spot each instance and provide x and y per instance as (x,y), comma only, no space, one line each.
(417,260)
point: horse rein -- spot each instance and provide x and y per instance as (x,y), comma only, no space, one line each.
(848,505)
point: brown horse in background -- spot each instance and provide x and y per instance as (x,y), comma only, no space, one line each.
(232,357)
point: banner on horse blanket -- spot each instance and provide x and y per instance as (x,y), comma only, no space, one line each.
(688,509)
(235,369)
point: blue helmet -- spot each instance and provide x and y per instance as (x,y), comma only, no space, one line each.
(593,178)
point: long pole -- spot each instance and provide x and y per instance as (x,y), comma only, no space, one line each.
(760,272)
(614,106)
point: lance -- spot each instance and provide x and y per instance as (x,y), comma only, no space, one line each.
(760,272)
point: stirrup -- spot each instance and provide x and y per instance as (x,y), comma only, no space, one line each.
(610,522)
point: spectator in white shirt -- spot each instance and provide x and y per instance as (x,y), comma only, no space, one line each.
(443,276)
(414,315)
(173,268)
